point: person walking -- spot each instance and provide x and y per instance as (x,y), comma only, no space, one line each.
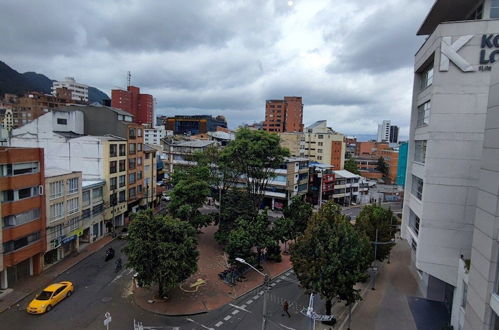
(285,308)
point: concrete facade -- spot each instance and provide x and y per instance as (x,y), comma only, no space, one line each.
(284,115)
(79,92)
(446,189)
(324,145)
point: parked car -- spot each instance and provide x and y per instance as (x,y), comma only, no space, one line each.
(49,297)
(166,198)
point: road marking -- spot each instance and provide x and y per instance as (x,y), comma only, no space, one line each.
(228,317)
(219,324)
(240,307)
(256,297)
(260,293)
(235,312)
(201,325)
(249,301)
(278,280)
(282,325)
(273,284)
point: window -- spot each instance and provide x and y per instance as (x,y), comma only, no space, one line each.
(21,242)
(427,76)
(320,136)
(424,114)
(320,144)
(417,187)
(56,211)
(139,175)
(97,193)
(494,9)
(131,179)
(85,214)
(420,151)
(112,167)
(62,121)
(122,180)
(72,205)
(131,193)
(74,224)
(55,231)
(148,155)
(414,222)
(15,195)
(139,131)
(85,196)
(18,169)
(414,245)
(112,183)
(97,209)
(21,218)
(131,133)
(122,196)
(72,185)
(113,150)
(139,160)
(122,165)
(139,189)
(113,199)
(56,189)
(122,149)
(139,146)
(131,163)
(131,148)
(319,151)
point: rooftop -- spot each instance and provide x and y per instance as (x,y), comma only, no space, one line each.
(92,183)
(194,143)
(54,171)
(345,174)
(446,11)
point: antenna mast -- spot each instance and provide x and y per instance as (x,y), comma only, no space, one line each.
(129,78)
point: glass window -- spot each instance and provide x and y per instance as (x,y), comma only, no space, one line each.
(132,192)
(131,163)
(122,149)
(73,185)
(139,160)
(113,150)
(139,146)
(112,183)
(148,155)
(132,148)
(417,187)
(112,167)
(122,165)
(427,76)
(85,198)
(62,121)
(97,193)
(139,175)
(131,179)
(139,189)
(21,242)
(56,211)
(122,196)
(56,189)
(72,205)
(414,222)
(122,180)
(131,133)
(414,245)
(85,214)
(97,209)
(113,199)
(320,136)
(21,218)
(139,131)
(424,114)
(494,9)
(420,151)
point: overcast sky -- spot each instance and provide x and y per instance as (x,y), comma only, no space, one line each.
(350,60)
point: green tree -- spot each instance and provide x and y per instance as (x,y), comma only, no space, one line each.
(351,166)
(162,250)
(284,231)
(254,155)
(299,211)
(381,166)
(191,188)
(331,256)
(375,217)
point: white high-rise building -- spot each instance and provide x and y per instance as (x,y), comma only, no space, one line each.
(384,131)
(451,202)
(79,92)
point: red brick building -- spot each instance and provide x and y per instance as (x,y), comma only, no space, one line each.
(132,101)
(284,115)
(22,210)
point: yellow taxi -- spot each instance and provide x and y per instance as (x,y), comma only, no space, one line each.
(49,297)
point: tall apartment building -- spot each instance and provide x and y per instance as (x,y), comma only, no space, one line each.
(388,132)
(324,145)
(141,106)
(154,135)
(22,210)
(79,92)
(284,115)
(450,203)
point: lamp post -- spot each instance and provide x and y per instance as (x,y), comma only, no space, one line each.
(266,292)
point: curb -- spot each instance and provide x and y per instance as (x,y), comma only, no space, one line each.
(66,269)
(212,310)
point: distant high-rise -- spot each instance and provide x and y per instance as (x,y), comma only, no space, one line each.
(132,101)
(387,132)
(79,92)
(284,115)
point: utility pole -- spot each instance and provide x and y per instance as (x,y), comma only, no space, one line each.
(375,256)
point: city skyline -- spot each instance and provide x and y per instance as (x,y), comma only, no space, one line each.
(254,51)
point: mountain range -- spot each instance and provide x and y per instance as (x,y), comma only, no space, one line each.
(14,82)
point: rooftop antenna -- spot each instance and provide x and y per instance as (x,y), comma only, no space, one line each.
(129,78)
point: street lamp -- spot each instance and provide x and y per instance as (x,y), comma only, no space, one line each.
(266,292)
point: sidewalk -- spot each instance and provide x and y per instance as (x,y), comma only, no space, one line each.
(215,293)
(387,307)
(27,286)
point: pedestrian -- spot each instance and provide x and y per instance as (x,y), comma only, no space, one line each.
(285,308)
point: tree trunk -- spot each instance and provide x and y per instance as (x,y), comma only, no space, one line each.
(329,306)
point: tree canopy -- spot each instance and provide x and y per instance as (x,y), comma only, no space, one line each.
(381,166)
(161,249)
(331,256)
(373,217)
(351,166)
(299,211)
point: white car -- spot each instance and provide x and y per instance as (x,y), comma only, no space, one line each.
(166,198)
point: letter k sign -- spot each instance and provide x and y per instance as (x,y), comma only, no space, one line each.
(449,52)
